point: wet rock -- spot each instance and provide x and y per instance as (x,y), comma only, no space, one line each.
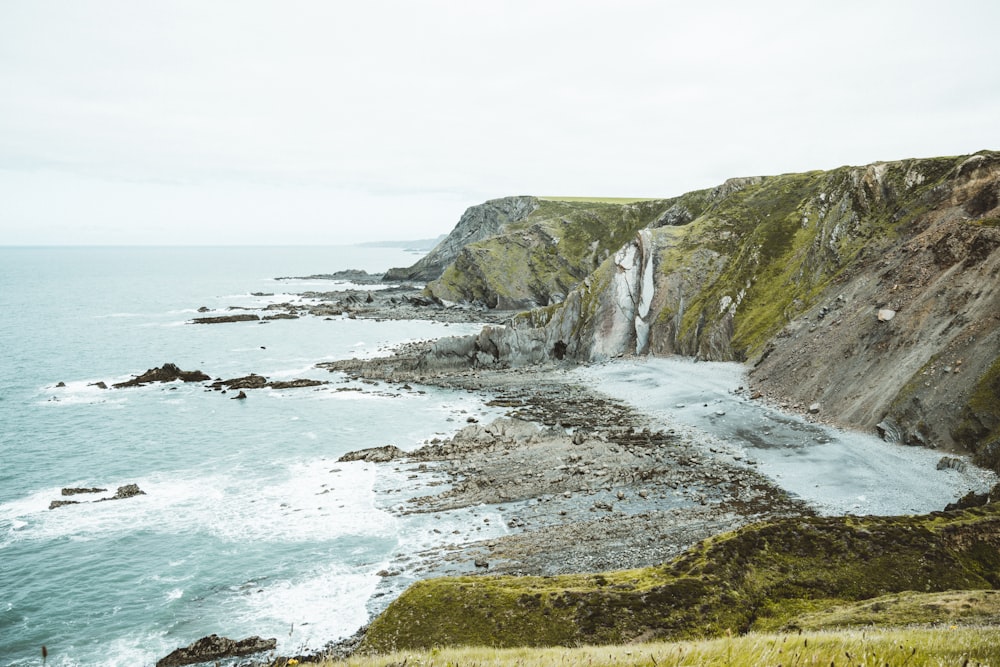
(99,385)
(60,385)
(166,373)
(295,384)
(240,396)
(75,490)
(220,319)
(215,647)
(382,454)
(127,491)
(59,503)
(252,381)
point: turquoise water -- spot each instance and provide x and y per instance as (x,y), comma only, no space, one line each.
(248,525)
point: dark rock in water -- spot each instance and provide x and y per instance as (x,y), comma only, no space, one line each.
(252,381)
(215,647)
(282,316)
(60,385)
(99,385)
(74,490)
(166,373)
(59,503)
(295,384)
(203,309)
(127,491)
(382,454)
(240,396)
(220,319)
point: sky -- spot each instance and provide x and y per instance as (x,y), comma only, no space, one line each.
(202,122)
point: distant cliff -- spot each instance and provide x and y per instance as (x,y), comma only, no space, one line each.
(872,290)
(477,223)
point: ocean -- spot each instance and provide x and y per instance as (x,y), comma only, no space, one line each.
(248,525)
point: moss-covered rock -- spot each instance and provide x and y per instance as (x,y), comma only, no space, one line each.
(760,577)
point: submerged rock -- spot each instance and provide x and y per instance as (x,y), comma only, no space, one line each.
(74,490)
(215,647)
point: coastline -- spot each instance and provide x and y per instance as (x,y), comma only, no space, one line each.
(586,482)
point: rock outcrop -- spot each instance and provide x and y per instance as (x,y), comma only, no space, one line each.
(872,291)
(477,223)
(382,454)
(215,647)
(166,373)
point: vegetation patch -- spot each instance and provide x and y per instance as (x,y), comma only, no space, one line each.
(895,647)
(759,578)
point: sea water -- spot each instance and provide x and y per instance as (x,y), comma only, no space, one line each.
(248,525)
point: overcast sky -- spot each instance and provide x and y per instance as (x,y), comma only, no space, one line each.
(318,122)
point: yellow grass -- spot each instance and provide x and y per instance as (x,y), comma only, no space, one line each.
(947,645)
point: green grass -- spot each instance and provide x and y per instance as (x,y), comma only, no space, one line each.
(899,647)
(757,579)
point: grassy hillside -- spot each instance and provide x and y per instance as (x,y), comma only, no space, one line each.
(759,578)
(896,647)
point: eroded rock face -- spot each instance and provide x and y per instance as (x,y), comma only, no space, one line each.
(215,647)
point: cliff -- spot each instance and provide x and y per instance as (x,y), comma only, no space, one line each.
(870,290)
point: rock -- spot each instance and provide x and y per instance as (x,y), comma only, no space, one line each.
(814,409)
(889,430)
(244,317)
(953,463)
(240,396)
(127,491)
(166,373)
(99,385)
(971,499)
(72,491)
(203,309)
(382,454)
(215,647)
(59,503)
(295,384)
(885,314)
(252,381)
(482,563)
(60,385)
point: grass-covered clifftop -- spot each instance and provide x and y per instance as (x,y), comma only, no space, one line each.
(760,578)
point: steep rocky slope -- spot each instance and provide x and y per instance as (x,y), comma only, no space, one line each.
(871,290)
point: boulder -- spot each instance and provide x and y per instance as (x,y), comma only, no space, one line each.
(59,503)
(215,647)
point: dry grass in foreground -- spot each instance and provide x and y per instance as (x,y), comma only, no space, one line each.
(950,645)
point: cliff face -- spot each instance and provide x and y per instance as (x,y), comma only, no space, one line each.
(477,223)
(871,290)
